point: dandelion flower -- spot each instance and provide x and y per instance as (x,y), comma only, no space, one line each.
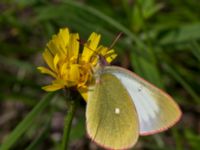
(68,67)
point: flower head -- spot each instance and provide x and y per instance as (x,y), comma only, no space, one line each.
(67,65)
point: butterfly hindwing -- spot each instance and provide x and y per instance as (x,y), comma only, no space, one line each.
(112,121)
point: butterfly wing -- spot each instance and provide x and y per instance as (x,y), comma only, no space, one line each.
(111,116)
(157,111)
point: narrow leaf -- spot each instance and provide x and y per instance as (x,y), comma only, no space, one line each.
(26,123)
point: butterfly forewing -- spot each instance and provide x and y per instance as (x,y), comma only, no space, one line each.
(112,120)
(157,111)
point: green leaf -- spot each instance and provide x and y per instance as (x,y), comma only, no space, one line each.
(146,68)
(41,137)
(150,7)
(78,130)
(26,123)
(180,34)
(179,78)
(193,139)
(109,20)
(195,48)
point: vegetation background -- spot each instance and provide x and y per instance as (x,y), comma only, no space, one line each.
(161,42)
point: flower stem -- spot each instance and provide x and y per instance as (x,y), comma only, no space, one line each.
(72,104)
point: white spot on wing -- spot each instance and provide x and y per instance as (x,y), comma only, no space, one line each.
(117,111)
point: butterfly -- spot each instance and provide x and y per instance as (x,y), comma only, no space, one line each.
(121,106)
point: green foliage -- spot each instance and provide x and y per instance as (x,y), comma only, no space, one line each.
(26,123)
(161,43)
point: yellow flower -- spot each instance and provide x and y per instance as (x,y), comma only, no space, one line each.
(67,65)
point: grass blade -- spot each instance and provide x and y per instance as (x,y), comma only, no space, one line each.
(195,48)
(26,123)
(183,83)
(44,134)
(109,20)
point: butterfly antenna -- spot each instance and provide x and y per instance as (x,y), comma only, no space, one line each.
(115,40)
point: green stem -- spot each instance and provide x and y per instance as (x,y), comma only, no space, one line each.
(72,104)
